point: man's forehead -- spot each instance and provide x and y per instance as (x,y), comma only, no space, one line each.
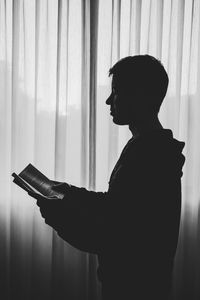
(115,81)
(118,82)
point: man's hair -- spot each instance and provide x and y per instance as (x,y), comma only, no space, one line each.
(144,75)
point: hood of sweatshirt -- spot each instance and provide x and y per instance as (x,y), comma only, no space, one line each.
(166,147)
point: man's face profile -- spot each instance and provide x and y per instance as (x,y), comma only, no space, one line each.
(122,104)
(118,104)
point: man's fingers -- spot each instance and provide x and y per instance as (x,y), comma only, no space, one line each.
(39,202)
(41,197)
(61,187)
(52,215)
(56,182)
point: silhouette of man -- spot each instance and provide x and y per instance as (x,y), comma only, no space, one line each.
(134,226)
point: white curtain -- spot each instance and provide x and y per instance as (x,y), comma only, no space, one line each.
(54,62)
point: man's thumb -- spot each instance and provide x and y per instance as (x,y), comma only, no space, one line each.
(61,187)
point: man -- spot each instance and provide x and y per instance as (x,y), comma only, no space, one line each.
(134,226)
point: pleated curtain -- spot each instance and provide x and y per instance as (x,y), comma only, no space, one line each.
(54,61)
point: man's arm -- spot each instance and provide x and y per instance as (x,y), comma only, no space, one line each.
(78,218)
(84,219)
(81,197)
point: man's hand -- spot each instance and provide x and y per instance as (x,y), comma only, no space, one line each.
(51,209)
(42,197)
(71,220)
(62,187)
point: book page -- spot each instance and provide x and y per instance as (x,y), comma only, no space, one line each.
(25,186)
(39,182)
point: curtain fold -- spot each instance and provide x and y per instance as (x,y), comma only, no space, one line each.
(54,61)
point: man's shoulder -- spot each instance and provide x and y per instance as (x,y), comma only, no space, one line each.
(145,148)
(151,142)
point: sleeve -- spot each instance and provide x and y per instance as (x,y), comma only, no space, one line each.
(85,199)
(83,219)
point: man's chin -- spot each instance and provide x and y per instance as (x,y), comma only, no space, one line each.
(118,121)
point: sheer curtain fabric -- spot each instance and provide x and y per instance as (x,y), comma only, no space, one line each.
(54,62)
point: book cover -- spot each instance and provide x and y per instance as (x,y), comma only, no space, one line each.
(31,179)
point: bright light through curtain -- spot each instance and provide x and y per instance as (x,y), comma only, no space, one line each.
(54,62)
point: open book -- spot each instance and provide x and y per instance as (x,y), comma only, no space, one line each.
(32,180)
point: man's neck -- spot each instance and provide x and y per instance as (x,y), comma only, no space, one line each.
(145,127)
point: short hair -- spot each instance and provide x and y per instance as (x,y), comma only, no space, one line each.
(144,74)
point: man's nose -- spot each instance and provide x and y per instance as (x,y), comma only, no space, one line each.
(109,100)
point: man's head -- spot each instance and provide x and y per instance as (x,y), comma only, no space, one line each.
(139,85)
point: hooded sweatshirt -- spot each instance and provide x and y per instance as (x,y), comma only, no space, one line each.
(144,217)
(134,226)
